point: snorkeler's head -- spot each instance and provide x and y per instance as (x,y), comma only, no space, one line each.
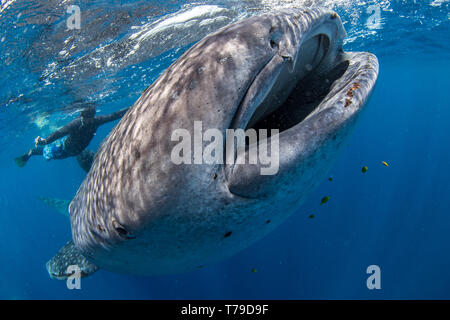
(88,112)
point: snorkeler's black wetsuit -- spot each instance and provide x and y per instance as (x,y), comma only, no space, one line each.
(80,132)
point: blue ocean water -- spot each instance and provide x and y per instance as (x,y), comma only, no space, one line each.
(396,217)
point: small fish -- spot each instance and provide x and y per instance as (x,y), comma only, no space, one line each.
(311,216)
(254,270)
(385,163)
(324,200)
(364,169)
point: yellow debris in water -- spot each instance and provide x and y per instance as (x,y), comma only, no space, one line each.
(254,270)
(364,169)
(385,163)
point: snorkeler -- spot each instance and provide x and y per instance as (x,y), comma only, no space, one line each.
(76,136)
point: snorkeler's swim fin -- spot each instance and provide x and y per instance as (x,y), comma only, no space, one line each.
(60,205)
(69,261)
(22,160)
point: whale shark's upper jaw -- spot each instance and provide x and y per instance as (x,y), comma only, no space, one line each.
(311,95)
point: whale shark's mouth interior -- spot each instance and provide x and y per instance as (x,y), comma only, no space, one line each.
(297,94)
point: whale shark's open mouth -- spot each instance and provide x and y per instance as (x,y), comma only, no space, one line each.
(307,95)
(310,95)
(285,92)
(289,89)
(296,93)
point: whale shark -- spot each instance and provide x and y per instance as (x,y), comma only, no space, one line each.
(138,212)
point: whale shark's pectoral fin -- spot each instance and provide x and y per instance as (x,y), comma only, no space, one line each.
(60,205)
(69,261)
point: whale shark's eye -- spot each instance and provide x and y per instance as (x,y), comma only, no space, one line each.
(273,44)
(122,231)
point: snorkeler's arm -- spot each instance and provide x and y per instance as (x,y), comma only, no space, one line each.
(110,117)
(64,131)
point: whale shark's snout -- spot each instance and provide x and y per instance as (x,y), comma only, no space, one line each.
(138,211)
